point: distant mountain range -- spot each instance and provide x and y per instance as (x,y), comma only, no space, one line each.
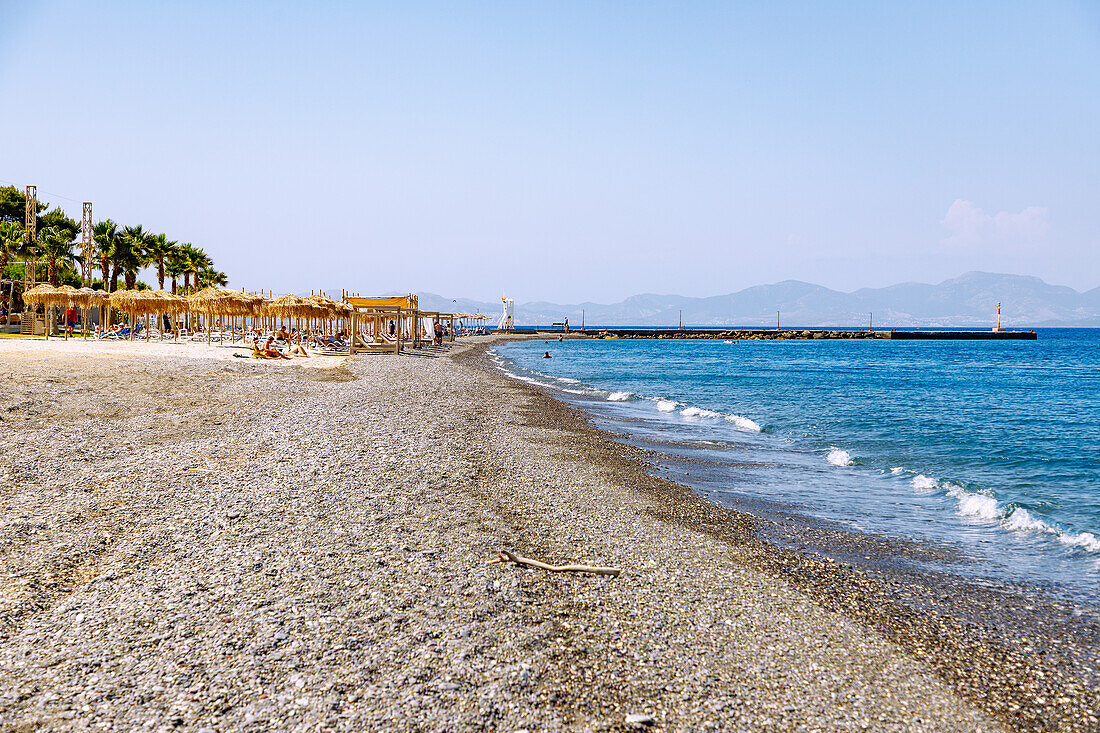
(970,300)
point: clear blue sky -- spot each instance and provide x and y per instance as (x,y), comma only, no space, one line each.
(568,151)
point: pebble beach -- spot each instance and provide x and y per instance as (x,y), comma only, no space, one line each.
(191,541)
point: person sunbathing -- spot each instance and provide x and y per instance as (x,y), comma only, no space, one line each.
(272,351)
(267,351)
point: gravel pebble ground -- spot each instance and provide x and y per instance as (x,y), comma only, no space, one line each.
(190,542)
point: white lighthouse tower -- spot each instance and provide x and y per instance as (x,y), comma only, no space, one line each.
(506,322)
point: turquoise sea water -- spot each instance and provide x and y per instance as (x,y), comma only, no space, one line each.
(988,449)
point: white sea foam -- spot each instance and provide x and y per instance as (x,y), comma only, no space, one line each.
(568,380)
(896,470)
(620,396)
(667,405)
(699,412)
(838,457)
(1020,520)
(1085,540)
(743,423)
(979,506)
(920,482)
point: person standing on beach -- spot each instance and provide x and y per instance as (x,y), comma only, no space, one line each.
(438,333)
(70,320)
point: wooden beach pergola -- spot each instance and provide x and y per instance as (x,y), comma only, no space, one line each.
(373,313)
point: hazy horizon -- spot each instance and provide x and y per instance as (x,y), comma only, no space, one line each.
(574,152)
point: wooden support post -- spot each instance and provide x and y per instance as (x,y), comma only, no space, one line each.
(353,324)
(397,343)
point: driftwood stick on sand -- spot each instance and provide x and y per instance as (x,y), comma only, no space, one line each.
(506,556)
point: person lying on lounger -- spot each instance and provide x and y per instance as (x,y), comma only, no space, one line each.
(335,342)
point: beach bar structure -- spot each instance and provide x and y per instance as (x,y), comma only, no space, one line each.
(383,323)
(389,323)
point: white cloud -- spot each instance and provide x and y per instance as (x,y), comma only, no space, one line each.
(967,225)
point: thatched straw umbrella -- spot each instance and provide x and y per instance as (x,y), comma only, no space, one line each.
(328,309)
(45,295)
(232,303)
(134,302)
(299,308)
(70,297)
(243,305)
(289,306)
(208,301)
(161,303)
(121,301)
(95,299)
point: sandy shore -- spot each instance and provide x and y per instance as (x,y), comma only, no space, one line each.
(191,541)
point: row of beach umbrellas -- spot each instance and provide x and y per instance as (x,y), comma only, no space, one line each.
(210,302)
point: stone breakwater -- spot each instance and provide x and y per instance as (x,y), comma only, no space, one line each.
(219,544)
(809,334)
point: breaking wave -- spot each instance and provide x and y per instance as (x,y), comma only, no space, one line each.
(738,421)
(984,506)
(920,482)
(838,457)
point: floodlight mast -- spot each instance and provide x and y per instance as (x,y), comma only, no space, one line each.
(31,227)
(86,243)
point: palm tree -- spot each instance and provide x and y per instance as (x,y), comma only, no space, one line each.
(105,235)
(187,254)
(200,262)
(130,253)
(158,250)
(55,246)
(211,277)
(176,264)
(11,241)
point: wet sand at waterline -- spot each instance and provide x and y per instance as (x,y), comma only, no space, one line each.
(192,541)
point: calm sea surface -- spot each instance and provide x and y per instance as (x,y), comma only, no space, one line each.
(988,449)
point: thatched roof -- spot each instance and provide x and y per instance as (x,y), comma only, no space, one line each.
(244,304)
(224,302)
(135,301)
(95,297)
(325,306)
(43,294)
(290,306)
(165,301)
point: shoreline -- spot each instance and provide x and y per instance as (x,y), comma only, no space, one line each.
(979,658)
(241,546)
